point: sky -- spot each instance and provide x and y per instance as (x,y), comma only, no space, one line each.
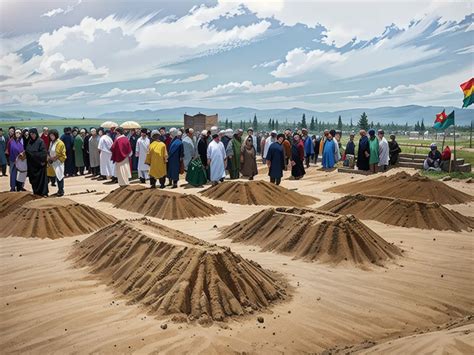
(88,57)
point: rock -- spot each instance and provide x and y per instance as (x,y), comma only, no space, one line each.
(469,181)
(164,326)
(447,178)
(260,319)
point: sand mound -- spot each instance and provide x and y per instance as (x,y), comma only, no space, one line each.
(53,218)
(10,201)
(171,273)
(313,235)
(403,185)
(401,212)
(257,193)
(159,203)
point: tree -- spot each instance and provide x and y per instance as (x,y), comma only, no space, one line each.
(363,122)
(371,124)
(422,126)
(241,124)
(339,123)
(351,124)
(277,125)
(303,121)
(226,123)
(273,124)
(311,125)
(417,126)
(255,123)
(231,123)
(269,126)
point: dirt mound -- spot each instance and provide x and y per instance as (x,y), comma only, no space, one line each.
(313,235)
(257,193)
(403,185)
(401,212)
(171,273)
(53,218)
(10,201)
(159,203)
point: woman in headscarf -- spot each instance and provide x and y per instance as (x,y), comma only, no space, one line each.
(15,147)
(175,157)
(68,140)
(329,152)
(56,159)
(297,157)
(79,151)
(248,159)
(36,156)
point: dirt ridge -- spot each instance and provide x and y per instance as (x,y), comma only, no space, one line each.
(10,201)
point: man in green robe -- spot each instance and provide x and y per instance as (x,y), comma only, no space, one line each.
(78,151)
(373,151)
(236,148)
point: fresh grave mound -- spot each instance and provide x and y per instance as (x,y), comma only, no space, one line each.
(9,201)
(171,273)
(159,203)
(404,185)
(257,193)
(53,218)
(401,212)
(313,235)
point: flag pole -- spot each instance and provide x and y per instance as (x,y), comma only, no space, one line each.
(454,132)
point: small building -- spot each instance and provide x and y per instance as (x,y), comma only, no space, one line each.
(200,121)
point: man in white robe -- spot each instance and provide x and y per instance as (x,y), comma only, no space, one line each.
(216,159)
(141,150)
(107,166)
(268,142)
(384,150)
(189,147)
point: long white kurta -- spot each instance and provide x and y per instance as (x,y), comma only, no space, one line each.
(143,146)
(216,153)
(189,151)
(107,166)
(383,152)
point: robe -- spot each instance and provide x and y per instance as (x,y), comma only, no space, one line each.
(350,148)
(94,155)
(216,153)
(362,160)
(268,143)
(78,152)
(276,156)
(156,159)
(308,146)
(36,156)
(86,152)
(236,150)
(374,151)
(189,151)
(107,167)
(133,143)
(56,168)
(143,145)
(329,150)
(202,151)
(297,156)
(3,146)
(14,148)
(249,164)
(175,154)
(121,151)
(69,165)
(383,152)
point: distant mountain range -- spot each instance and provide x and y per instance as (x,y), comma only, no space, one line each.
(399,115)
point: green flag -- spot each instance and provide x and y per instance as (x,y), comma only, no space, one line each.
(444,123)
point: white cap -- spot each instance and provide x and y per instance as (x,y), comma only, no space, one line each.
(204,132)
(173,132)
(273,132)
(222,132)
(214,129)
(155,132)
(229,132)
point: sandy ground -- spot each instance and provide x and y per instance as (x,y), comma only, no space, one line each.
(47,305)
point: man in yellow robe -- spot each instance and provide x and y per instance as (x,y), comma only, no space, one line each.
(156,158)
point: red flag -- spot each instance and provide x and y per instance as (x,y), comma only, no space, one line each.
(440,117)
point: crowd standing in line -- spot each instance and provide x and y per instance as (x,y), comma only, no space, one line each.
(210,155)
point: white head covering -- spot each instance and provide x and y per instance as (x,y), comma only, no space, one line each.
(155,132)
(180,133)
(173,132)
(204,132)
(214,130)
(229,132)
(221,132)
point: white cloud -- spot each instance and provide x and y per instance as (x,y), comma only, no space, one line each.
(25,100)
(398,90)
(123,92)
(60,10)
(268,64)
(79,95)
(189,79)
(298,62)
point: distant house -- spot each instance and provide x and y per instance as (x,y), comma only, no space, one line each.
(200,121)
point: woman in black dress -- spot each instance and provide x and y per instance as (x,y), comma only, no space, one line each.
(36,157)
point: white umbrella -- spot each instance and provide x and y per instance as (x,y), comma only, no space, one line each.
(130,125)
(109,124)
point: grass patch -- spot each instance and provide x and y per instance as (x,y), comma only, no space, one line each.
(436,175)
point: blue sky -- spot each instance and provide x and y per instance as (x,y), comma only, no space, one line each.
(89,57)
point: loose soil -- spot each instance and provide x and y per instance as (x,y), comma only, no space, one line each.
(10,201)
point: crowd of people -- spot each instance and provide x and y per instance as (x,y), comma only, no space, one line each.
(159,156)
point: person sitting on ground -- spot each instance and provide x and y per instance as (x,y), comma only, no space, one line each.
(445,159)
(434,158)
(394,150)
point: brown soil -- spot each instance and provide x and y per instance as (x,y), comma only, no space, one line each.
(171,273)
(313,235)
(401,212)
(53,218)
(159,203)
(257,193)
(404,185)
(10,201)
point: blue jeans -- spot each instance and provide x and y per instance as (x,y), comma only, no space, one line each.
(12,176)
